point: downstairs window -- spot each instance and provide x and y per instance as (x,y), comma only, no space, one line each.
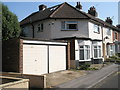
(84,52)
(97,51)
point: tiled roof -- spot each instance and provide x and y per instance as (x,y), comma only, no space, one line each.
(63,11)
(39,15)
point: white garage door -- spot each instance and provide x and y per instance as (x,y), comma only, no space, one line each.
(35,59)
(57,58)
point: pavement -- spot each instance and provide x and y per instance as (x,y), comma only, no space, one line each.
(91,79)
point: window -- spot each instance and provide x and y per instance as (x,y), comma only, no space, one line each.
(115,35)
(69,25)
(84,52)
(96,29)
(111,50)
(40,27)
(108,31)
(97,51)
(25,31)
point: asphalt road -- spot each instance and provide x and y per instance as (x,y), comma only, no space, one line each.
(90,80)
(110,82)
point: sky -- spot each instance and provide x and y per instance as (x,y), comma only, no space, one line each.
(104,9)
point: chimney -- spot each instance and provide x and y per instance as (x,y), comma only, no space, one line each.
(109,20)
(118,26)
(42,7)
(92,11)
(78,6)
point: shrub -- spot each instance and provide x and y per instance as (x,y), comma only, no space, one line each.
(84,67)
(118,54)
(92,68)
(114,57)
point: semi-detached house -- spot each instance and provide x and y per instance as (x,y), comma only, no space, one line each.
(87,34)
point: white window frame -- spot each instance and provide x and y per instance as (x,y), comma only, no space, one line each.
(84,49)
(99,51)
(96,28)
(65,23)
(111,50)
(108,31)
(40,27)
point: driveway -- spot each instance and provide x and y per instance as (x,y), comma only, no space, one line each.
(57,78)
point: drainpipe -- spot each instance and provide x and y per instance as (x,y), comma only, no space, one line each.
(103,44)
(33,30)
(33,34)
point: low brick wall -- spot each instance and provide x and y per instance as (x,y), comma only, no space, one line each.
(35,81)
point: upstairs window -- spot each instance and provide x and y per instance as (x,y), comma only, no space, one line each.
(108,31)
(40,27)
(69,25)
(96,29)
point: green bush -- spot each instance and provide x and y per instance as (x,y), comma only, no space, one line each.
(114,58)
(83,67)
(118,54)
(92,68)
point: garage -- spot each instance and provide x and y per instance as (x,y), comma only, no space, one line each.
(42,57)
(57,58)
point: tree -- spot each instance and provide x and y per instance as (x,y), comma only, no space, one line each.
(10,24)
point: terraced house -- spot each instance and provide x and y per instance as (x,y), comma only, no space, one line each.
(90,37)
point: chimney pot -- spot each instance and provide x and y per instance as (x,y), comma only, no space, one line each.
(79,6)
(109,20)
(42,7)
(92,11)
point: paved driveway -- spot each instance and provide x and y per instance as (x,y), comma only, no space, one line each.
(57,78)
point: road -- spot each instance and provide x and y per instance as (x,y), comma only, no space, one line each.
(90,80)
(110,82)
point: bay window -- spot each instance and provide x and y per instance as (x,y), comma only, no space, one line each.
(84,52)
(97,51)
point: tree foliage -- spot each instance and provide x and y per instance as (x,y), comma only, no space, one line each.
(10,24)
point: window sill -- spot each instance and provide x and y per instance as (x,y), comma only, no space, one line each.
(97,32)
(69,30)
(39,31)
(98,58)
(85,60)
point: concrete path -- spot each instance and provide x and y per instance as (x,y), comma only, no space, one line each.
(92,78)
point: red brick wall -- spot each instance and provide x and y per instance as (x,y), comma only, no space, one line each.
(72,49)
(21,56)
(119,36)
(10,55)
